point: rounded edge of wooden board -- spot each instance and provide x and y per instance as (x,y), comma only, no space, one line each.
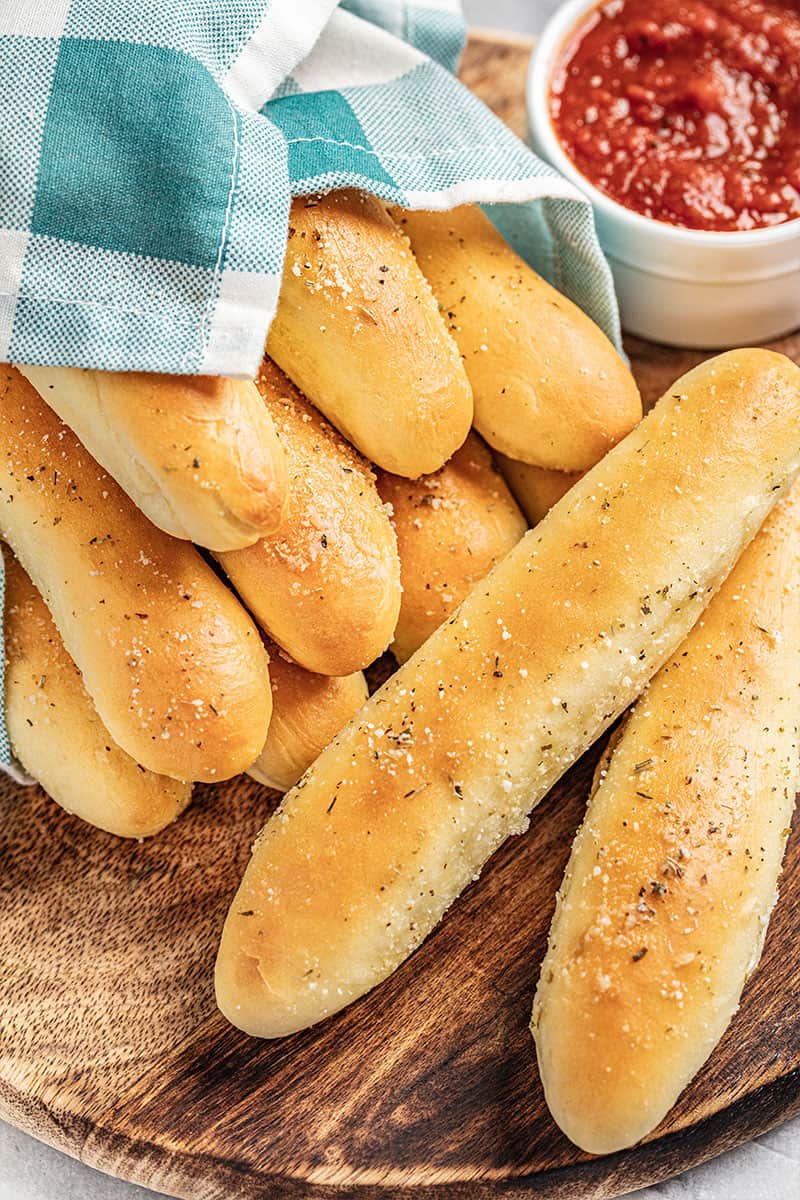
(204,1177)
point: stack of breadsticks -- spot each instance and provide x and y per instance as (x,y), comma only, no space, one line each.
(211,564)
(245,650)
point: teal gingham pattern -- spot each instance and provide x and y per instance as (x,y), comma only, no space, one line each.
(437,29)
(149,150)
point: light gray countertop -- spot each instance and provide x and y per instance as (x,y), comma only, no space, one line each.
(766,1169)
(523,16)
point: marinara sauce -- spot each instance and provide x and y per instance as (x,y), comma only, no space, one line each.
(688,113)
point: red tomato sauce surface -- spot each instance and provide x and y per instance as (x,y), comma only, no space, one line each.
(686,112)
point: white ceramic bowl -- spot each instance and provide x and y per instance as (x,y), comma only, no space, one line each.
(685,287)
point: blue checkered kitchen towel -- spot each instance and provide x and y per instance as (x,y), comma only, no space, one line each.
(149,150)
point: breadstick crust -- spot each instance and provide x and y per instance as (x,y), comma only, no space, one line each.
(452,527)
(59,738)
(548,386)
(667,895)
(198,455)
(326,586)
(174,665)
(308,711)
(535,489)
(359,332)
(448,758)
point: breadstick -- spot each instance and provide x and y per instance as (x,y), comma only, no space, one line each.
(535,489)
(450,755)
(359,332)
(548,386)
(665,902)
(452,527)
(326,586)
(59,738)
(198,455)
(307,712)
(172,662)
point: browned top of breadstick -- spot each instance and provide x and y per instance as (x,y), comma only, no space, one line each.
(663,909)
(197,454)
(359,332)
(308,711)
(57,735)
(448,758)
(326,585)
(173,663)
(548,386)
(452,527)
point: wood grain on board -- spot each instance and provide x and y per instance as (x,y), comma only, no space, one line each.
(111,1047)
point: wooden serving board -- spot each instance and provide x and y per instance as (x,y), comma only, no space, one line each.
(111,1048)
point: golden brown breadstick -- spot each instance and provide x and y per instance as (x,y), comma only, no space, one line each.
(326,586)
(536,489)
(359,332)
(665,902)
(172,662)
(548,386)
(59,738)
(308,711)
(198,455)
(452,527)
(449,757)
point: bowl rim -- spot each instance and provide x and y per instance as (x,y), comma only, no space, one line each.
(546,49)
